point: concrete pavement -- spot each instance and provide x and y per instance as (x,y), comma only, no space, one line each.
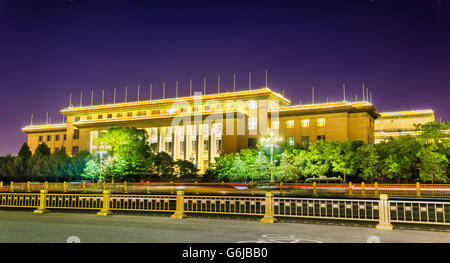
(24,226)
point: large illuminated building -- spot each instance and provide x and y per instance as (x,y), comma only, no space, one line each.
(400,123)
(201,127)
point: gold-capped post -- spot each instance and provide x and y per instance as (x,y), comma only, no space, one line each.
(179,212)
(384,214)
(65,187)
(28,186)
(376,188)
(350,188)
(105,207)
(11,186)
(269,217)
(42,203)
(418,189)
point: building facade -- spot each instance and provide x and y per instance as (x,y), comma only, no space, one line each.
(399,123)
(201,127)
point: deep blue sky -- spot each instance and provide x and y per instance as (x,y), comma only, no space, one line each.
(399,49)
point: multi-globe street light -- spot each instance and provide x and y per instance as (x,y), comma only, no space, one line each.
(271,141)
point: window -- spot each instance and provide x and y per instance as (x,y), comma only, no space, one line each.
(130,114)
(74,150)
(109,116)
(89,117)
(252,123)
(321,122)
(321,137)
(49,138)
(76,134)
(290,140)
(65,137)
(56,149)
(195,109)
(275,125)
(251,105)
(168,147)
(77,119)
(290,124)
(155,112)
(305,123)
(206,145)
(219,145)
(208,108)
(182,146)
(305,140)
(56,137)
(119,115)
(100,117)
(142,113)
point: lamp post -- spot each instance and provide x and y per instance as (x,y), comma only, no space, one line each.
(271,142)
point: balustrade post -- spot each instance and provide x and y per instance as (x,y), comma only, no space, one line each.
(28,187)
(363,189)
(105,204)
(350,192)
(1,184)
(179,212)
(125,188)
(104,185)
(314,189)
(376,188)
(42,203)
(147,186)
(84,187)
(384,214)
(11,186)
(418,189)
(65,187)
(269,217)
(46,186)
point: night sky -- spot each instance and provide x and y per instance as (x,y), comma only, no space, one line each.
(399,49)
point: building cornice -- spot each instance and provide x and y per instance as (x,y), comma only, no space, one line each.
(45,128)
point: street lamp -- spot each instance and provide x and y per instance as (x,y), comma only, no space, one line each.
(271,142)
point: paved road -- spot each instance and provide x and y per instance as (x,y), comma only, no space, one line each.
(24,226)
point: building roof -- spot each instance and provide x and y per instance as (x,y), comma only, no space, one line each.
(142,104)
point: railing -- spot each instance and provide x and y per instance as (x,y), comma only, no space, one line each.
(383,211)
(365,210)
(312,189)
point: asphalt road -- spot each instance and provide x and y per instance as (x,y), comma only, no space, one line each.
(57,227)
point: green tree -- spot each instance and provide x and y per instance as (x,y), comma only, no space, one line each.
(91,171)
(433,165)
(368,162)
(130,148)
(185,169)
(164,165)
(42,150)
(286,171)
(24,152)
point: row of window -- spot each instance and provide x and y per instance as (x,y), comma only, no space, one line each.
(49,138)
(305,123)
(305,140)
(251,105)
